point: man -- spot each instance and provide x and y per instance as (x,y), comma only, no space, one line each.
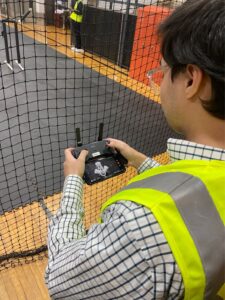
(76,18)
(162,236)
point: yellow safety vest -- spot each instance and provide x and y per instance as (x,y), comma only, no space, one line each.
(75,17)
(188,200)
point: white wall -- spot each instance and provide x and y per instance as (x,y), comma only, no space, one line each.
(122,7)
(40,7)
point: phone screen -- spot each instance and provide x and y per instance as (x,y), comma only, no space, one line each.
(102,168)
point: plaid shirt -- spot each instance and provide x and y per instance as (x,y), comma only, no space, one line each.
(125,257)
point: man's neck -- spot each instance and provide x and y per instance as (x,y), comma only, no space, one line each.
(206,129)
(216,140)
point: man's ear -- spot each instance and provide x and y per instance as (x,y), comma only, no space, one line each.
(193,81)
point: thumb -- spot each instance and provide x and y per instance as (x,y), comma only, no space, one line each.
(68,153)
(83,155)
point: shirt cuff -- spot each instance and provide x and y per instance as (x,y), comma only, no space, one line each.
(72,189)
(147,164)
(72,179)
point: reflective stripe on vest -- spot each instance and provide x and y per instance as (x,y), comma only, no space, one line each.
(196,236)
(75,17)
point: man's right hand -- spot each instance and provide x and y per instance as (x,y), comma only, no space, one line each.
(134,158)
(73,166)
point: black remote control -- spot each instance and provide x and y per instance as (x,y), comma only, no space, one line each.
(102,162)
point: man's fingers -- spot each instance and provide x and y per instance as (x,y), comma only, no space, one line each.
(69,155)
(112,142)
(117,144)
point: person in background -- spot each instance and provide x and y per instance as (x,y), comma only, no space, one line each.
(162,236)
(76,18)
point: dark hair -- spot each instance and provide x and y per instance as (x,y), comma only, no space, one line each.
(195,34)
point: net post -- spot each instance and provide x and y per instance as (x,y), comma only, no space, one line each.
(4,33)
(18,61)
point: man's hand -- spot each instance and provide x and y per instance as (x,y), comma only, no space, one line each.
(134,158)
(73,166)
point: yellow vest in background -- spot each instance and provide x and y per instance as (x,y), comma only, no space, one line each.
(187,199)
(75,17)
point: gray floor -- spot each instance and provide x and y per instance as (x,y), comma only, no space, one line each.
(40,109)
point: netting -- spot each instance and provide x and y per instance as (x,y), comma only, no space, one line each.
(48,90)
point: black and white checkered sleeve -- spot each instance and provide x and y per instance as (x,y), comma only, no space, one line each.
(147,164)
(67,225)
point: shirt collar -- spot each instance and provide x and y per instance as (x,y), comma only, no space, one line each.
(181,149)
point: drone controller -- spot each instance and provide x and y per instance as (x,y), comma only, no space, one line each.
(102,162)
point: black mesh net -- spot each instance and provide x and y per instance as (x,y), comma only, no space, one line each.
(47,90)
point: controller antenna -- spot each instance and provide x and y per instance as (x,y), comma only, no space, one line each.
(100,133)
(79,143)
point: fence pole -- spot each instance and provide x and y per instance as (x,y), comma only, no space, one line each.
(4,33)
(123,34)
